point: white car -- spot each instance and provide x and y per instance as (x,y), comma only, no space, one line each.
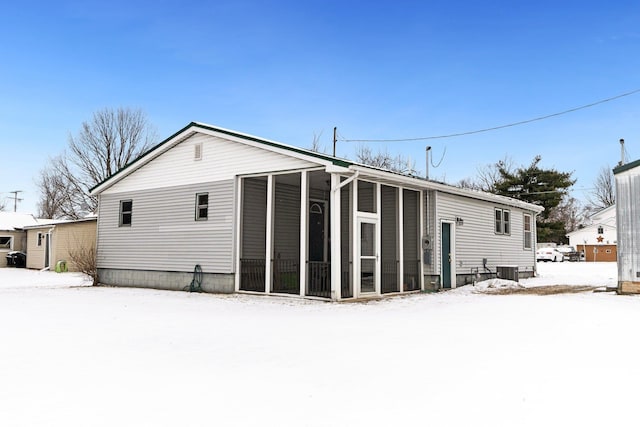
(549,254)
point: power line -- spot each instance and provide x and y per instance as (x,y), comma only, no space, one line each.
(571,110)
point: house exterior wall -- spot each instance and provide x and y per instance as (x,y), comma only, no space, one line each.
(18,243)
(221,160)
(628,226)
(599,252)
(164,234)
(164,240)
(476,239)
(65,238)
(590,235)
(35,253)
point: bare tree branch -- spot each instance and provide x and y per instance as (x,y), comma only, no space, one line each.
(384,160)
(603,194)
(103,146)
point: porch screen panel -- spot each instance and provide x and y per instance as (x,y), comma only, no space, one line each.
(254,234)
(411,240)
(367,197)
(345,242)
(389,240)
(286,234)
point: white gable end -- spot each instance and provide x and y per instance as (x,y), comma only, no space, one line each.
(205,158)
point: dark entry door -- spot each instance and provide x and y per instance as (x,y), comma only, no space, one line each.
(316,231)
(446,255)
(47,249)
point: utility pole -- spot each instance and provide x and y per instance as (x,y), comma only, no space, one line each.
(15,199)
(335,133)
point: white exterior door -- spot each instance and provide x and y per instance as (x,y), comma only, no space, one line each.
(367,278)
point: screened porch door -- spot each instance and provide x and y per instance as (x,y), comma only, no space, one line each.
(368,256)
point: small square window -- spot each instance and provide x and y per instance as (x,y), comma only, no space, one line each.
(202,206)
(5,242)
(126,212)
(600,230)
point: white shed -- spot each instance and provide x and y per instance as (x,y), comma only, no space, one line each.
(628,221)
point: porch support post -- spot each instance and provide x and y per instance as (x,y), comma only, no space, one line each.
(355,246)
(401,236)
(336,265)
(238,237)
(304,203)
(269,237)
(378,249)
(420,234)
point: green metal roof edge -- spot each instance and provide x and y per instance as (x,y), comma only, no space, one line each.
(626,167)
(336,161)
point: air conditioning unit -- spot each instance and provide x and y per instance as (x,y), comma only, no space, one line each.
(507,272)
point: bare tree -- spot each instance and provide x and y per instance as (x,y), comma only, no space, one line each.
(84,260)
(53,190)
(569,212)
(603,194)
(104,145)
(487,176)
(384,160)
(316,145)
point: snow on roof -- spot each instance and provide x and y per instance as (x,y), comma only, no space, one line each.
(50,222)
(11,221)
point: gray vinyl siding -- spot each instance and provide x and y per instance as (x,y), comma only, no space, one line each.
(164,234)
(475,239)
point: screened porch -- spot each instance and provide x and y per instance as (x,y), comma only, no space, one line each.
(286,229)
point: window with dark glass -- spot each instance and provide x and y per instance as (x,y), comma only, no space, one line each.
(5,242)
(498,221)
(126,212)
(600,230)
(202,206)
(502,221)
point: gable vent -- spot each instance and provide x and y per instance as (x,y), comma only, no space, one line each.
(197,151)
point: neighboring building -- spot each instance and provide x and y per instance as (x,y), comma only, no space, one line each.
(12,234)
(262,217)
(598,240)
(628,218)
(53,241)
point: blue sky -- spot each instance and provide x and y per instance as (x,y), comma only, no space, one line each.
(289,70)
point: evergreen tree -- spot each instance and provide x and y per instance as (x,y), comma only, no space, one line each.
(543,187)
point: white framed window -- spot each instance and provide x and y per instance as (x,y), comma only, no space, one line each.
(6,242)
(40,237)
(502,221)
(197,151)
(202,206)
(126,213)
(600,230)
(527,231)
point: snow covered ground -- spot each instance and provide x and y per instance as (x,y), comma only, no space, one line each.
(75,355)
